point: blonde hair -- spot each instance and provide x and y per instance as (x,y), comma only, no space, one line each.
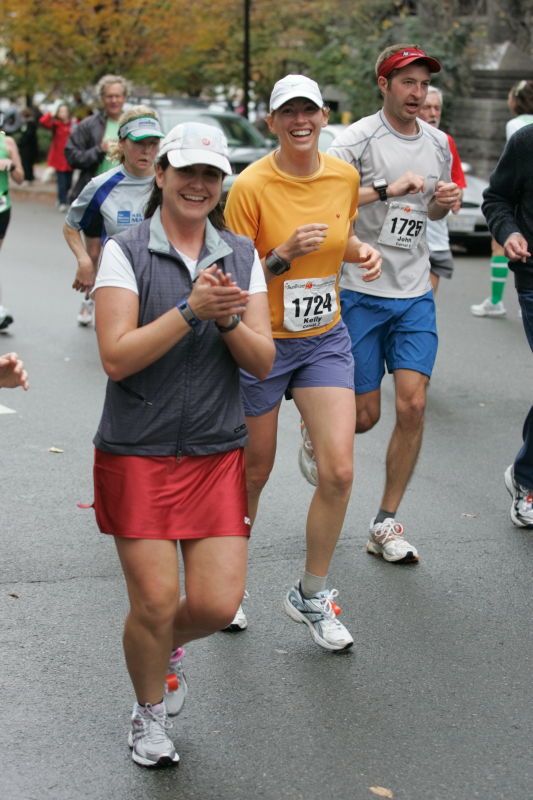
(115,152)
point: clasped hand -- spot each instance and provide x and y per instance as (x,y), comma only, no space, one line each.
(216,296)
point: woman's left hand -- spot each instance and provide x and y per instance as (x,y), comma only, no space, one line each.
(370,261)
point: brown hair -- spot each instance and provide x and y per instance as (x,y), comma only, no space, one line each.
(522,94)
(216,216)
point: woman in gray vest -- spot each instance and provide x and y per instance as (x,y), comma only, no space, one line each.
(181,305)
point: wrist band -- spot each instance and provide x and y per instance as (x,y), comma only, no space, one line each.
(188,314)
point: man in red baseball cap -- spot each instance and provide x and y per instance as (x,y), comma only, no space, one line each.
(404,166)
(395,57)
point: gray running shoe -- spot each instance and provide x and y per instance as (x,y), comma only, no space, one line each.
(175,683)
(306,458)
(522,505)
(86,314)
(386,540)
(150,745)
(318,613)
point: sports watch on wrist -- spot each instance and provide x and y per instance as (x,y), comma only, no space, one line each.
(188,314)
(380,185)
(235,319)
(276,264)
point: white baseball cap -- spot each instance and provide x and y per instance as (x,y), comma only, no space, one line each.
(196,143)
(292,86)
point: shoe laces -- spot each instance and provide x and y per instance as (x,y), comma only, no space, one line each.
(154,725)
(525,497)
(388,529)
(326,600)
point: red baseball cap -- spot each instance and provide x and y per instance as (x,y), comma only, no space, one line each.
(402,58)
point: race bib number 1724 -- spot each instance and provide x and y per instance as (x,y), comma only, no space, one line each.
(309,303)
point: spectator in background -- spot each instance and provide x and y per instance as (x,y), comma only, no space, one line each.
(27,142)
(61,125)
(520,102)
(437,238)
(87,150)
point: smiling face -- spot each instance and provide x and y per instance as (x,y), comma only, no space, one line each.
(189,193)
(139,156)
(404,95)
(297,124)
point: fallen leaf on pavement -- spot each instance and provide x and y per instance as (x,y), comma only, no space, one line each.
(55,450)
(380,791)
(13,594)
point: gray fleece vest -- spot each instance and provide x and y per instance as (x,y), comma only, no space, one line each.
(188,402)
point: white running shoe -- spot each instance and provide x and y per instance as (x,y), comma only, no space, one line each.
(319,613)
(150,745)
(306,458)
(176,687)
(239,623)
(488,309)
(5,318)
(86,315)
(386,540)
(522,505)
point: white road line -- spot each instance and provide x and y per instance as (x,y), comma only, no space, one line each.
(6,410)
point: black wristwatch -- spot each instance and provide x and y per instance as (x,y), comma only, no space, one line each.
(235,319)
(380,185)
(188,314)
(276,264)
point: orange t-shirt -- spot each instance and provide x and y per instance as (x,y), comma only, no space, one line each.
(268,205)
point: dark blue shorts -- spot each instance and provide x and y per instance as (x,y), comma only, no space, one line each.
(399,333)
(323,360)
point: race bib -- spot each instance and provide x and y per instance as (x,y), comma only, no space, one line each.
(309,303)
(403,226)
(3,202)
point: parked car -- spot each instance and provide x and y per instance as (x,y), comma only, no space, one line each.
(328,134)
(468,229)
(245,142)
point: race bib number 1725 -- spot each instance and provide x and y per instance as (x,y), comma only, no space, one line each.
(403,226)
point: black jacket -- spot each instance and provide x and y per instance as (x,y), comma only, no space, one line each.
(508,200)
(83,150)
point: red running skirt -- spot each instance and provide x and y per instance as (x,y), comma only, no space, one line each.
(143,497)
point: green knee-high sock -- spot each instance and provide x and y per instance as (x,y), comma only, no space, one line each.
(498,276)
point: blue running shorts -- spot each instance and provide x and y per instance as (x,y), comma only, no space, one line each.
(401,333)
(323,360)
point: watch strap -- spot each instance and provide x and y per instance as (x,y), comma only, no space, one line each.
(235,319)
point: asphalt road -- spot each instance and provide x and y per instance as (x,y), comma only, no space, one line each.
(434,700)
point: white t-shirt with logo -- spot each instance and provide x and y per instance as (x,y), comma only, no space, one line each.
(396,227)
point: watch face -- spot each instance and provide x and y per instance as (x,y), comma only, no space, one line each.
(380,183)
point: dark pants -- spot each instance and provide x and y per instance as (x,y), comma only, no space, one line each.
(64,182)
(523,465)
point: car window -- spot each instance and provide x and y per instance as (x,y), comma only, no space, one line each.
(239,132)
